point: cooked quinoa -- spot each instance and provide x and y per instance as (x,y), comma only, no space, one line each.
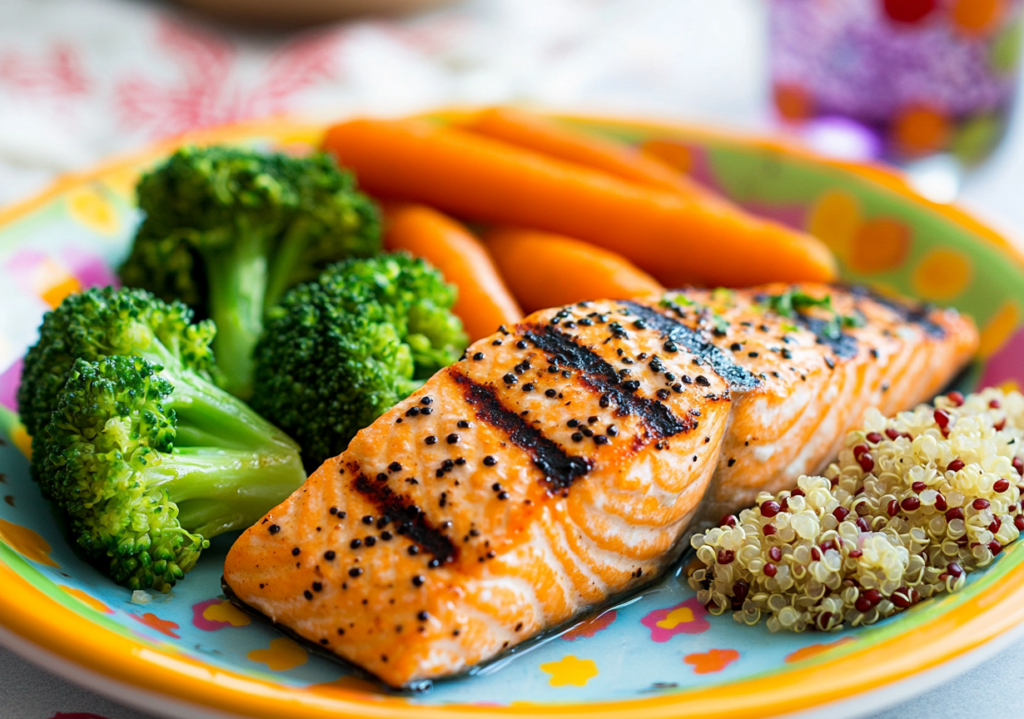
(913,504)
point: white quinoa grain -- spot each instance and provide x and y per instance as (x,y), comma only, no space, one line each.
(936,504)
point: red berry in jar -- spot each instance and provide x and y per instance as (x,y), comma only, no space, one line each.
(940,503)
(770,508)
(955,466)
(1001,485)
(770,570)
(1018,522)
(728,520)
(908,11)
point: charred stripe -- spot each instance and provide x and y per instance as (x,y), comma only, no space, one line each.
(602,378)
(560,469)
(909,312)
(410,520)
(723,365)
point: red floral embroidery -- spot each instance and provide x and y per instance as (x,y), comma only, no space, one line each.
(59,72)
(210,89)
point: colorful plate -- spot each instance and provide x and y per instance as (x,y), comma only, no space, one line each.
(657,655)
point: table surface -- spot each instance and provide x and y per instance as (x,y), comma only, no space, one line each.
(82,79)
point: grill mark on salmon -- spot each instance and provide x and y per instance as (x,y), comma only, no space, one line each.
(602,378)
(691,339)
(559,468)
(843,345)
(411,521)
(916,313)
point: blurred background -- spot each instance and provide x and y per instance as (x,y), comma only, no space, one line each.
(928,84)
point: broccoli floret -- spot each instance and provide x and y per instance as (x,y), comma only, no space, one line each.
(338,353)
(228,231)
(102,322)
(149,465)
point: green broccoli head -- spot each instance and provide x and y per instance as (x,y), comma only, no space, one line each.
(229,230)
(338,353)
(102,322)
(147,469)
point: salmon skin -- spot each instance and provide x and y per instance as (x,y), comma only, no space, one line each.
(562,462)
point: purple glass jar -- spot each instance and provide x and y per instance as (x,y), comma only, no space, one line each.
(922,76)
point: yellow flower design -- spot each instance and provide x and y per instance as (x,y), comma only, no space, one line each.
(93,208)
(679,615)
(998,330)
(835,219)
(282,654)
(570,671)
(26,542)
(227,612)
(942,275)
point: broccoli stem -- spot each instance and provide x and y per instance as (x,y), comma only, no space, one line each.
(219,491)
(228,464)
(281,274)
(208,417)
(237,280)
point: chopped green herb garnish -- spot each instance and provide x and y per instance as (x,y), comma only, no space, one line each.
(675,298)
(791,303)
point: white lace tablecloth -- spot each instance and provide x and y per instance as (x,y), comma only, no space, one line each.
(83,79)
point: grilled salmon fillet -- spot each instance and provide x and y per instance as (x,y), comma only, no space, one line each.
(814,386)
(562,461)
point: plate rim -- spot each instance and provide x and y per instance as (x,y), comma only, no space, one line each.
(31,616)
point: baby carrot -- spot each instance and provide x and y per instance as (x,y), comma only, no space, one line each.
(537,133)
(484,303)
(678,239)
(546,270)
(533,132)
